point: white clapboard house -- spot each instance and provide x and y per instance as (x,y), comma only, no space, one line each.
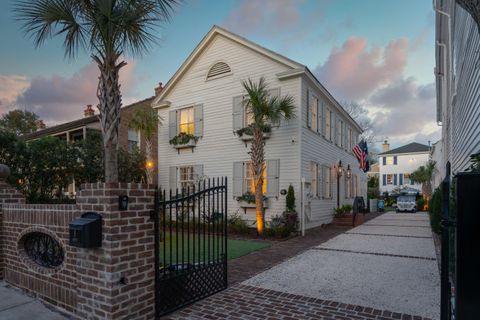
(204,99)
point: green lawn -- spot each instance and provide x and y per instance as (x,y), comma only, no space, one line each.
(236,248)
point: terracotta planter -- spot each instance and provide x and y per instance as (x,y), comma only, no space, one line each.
(345,220)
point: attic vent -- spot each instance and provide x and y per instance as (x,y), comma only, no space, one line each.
(218,69)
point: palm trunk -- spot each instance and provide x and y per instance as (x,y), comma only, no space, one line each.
(257,154)
(110,101)
(148,153)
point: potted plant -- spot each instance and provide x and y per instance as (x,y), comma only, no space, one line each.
(246,134)
(184,140)
(343,216)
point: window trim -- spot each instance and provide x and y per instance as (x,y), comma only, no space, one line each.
(327,172)
(138,141)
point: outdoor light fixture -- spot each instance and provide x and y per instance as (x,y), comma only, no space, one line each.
(340,169)
(149,164)
(349,172)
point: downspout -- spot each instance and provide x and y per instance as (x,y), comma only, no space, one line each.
(444,80)
(449,27)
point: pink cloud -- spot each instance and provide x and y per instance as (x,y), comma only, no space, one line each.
(353,72)
(58,99)
(11,86)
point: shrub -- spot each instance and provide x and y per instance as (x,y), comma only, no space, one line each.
(290,199)
(277,227)
(237,225)
(435,209)
(347,208)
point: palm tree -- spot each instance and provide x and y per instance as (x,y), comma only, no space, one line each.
(264,110)
(424,175)
(146,121)
(107,29)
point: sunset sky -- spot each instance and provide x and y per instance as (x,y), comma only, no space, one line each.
(379,53)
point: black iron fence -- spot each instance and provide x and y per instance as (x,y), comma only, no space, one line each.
(191,244)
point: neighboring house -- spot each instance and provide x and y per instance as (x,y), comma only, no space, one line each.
(396,165)
(76,130)
(458,84)
(204,98)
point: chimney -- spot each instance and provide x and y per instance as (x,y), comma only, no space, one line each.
(88,112)
(385,146)
(40,125)
(158,89)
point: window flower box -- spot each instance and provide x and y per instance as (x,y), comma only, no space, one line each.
(246,134)
(184,140)
(247,201)
(249,205)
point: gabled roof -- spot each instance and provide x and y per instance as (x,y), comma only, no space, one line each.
(413,147)
(75,123)
(296,68)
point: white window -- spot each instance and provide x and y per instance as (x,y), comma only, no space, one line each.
(328,124)
(248,116)
(186,177)
(389,160)
(314,178)
(314,112)
(348,187)
(187,121)
(340,133)
(389,178)
(349,146)
(327,182)
(249,183)
(354,185)
(133,140)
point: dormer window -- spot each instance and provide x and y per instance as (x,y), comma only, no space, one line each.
(218,69)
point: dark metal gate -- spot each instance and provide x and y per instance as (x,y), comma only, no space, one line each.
(190,244)
(460,263)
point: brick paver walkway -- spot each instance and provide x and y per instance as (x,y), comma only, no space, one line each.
(246,302)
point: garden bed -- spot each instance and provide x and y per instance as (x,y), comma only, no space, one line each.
(345,220)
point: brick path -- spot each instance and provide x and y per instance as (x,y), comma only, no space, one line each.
(246,302)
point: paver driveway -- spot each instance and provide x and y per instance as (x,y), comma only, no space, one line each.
(385,269)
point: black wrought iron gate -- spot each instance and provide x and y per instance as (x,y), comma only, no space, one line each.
(460,295)
(190,244)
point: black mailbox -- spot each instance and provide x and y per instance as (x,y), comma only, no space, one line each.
(86,231)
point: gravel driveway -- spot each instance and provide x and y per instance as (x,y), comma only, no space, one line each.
(389,263)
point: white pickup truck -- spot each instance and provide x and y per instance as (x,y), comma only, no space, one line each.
(406,203)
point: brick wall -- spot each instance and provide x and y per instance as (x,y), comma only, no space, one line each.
(117,280)
(7,195)
(54,285)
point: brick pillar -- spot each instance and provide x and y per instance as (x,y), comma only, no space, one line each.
(8,194)
(117,280)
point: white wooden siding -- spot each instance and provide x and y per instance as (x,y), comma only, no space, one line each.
(326,153)
(219,148)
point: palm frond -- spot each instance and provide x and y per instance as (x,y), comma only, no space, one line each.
(44,19)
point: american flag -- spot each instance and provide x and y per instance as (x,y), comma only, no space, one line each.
(361,152)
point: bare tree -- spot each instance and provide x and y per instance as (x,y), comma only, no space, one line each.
(360,114)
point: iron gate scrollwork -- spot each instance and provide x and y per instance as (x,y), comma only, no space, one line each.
(43,249)
(191,244)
